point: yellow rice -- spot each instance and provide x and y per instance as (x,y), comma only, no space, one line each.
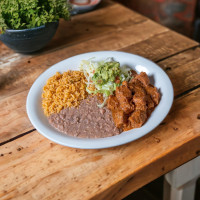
(62,91)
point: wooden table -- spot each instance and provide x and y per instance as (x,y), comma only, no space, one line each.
(32,167)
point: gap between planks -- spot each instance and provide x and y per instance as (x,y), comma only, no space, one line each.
(186,92)
(120,28)
(18,136)
(190,48)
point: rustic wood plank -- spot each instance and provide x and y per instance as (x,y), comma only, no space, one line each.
(19,76)
(83,27)
(14,119)
(152,171)
(177,68)
(93,24)
(32,165)
(183,74)
(161,46)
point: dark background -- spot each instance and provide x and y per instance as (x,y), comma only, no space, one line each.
(182,16)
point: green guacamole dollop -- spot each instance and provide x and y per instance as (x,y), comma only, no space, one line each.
(108,72)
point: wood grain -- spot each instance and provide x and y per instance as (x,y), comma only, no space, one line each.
(183,70)
(161,46)
(17,122)
(32,167)
(183,79)
(93,24)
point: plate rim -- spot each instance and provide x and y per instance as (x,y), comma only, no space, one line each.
(107,145)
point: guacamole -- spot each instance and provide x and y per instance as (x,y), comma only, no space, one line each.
(108,72)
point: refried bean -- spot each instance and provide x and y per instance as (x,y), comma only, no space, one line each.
(85,121)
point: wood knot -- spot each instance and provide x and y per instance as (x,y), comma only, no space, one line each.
(19,148)
(198,116)
(130,179)
(157,139)
(51,144)
(176,129)
(168,68)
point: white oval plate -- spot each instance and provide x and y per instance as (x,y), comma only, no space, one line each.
(157,77)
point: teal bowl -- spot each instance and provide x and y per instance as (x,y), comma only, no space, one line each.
(29,40)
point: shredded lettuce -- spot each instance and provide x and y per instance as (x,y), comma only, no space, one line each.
(107,88)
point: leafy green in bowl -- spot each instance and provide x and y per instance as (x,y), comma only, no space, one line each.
(26,14)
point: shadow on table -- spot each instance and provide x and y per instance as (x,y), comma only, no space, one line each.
(154,191)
